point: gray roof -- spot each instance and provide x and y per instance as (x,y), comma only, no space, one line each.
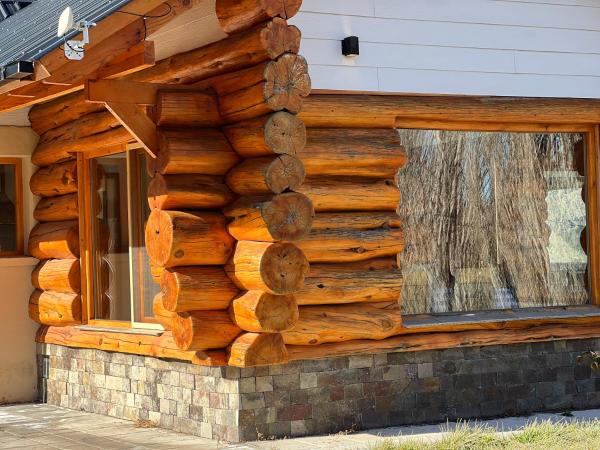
(28,33)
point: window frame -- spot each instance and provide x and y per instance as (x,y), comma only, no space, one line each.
(477,319)
(86,245)
(20,235)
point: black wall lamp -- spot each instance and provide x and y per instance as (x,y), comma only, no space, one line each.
(350,46)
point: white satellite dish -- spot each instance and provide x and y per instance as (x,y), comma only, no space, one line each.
(65,22)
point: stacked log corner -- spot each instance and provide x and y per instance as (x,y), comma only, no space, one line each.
(223,200)
(56,300)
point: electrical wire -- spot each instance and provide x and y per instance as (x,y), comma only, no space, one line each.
(146,17)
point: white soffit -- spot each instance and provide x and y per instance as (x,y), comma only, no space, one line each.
(17,118)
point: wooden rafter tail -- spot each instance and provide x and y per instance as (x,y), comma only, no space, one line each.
(282,217)
(258,349)
(238,15)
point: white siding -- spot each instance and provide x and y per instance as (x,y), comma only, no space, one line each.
(545,48)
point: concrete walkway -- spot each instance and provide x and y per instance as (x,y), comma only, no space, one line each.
(36,426)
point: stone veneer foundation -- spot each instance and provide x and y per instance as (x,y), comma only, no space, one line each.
(322,396)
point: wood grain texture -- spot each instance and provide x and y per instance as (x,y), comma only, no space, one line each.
(58,275)
(283,217)
(188,191)
(261,312)
(202,330)
(56,209)
(280,133)
(177,238)
(257,349)
(194,288)
(266,175)
(54,240)
(55,308)
(187,109)
(161,314)
(236,15)
(57,179)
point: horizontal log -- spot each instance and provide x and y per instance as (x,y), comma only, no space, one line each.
(352,152)
(203,330)
(57,179)
(236,15)
(351,194)
(261,312)
(277,268)
(187,109)
(263,42)
(194,288)
(162,315)
(161,346)
(58,275)
(283,217)
(440,341)
(375,280)
(266,175)
(339,323)
(60,111)
(55,308)
(272,86)
(188,191)
(382,111)
(335,246)
(55,209)
(202,151)
(59,151)
(280,133)
(87,125)
(175,238)
(55,240)
(356,220)
(257,349)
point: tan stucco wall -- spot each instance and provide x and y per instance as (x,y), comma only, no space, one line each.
(18,376)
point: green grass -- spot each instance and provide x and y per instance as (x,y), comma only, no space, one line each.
(535,436)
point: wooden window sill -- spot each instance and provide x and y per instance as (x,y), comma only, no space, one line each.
(123,330)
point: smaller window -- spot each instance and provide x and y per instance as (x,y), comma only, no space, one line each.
(11,207)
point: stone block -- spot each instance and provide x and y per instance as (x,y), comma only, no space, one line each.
(247,385)
(265,383)
(287,381)
(253,400)
(358,361)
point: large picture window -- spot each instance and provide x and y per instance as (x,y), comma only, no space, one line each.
(493,220)
(120,283)
(11,207)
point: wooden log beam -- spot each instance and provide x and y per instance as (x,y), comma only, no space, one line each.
(280,133)
(195,288)
(236,15)
(58,275)
(54,240)
(276,268)
(175,238)
(203,151)
(188,191)
(351,194)
(266,175)
(80,126)
(161,314)
(438,341)
(257,349)
(55,308)
(135,120)
(371,220)
(55,209)
(261,312)
(59,151)
(161,346)
(375,153)
(339,323)
(57,179)
(382,111)
(347,245)
(272,86)
(204,330)
(177,108)
(375,280)
(283,217)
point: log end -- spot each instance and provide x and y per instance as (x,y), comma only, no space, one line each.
(159,237)
(283,268)
(287,83)
(289,216)
(258,349)
(285,173)
(280,38)
(285,133)
(262,312)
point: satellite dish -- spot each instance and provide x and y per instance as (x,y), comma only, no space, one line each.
(65,22)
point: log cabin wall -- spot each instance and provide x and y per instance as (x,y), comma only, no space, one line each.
(226,210)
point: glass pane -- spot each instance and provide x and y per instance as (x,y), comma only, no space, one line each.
(8,208)
(110,243)
(144,286)
(492,221)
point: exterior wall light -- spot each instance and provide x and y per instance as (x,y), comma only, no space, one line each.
(350,46)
